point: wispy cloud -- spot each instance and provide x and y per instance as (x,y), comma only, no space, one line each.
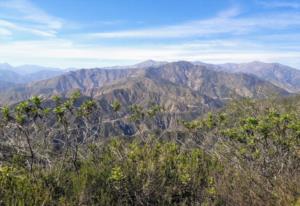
(193,28)
(9,27)
(24,16)
(226,22)
(30,12)
(280,4)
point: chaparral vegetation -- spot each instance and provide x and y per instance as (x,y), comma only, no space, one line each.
(55,153)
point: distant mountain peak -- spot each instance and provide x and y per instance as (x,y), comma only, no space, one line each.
(150,63)
(182,62)
(10,75)
(5,66)
(257,62)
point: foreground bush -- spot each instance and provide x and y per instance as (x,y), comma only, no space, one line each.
(258,143)
(119,173)
(246,154)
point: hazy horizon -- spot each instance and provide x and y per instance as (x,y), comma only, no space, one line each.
(134,63)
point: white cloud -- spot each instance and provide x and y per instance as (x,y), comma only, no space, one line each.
(9,27)
(193,28)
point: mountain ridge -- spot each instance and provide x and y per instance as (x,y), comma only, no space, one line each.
(215,84)
(12,76)
(278,74)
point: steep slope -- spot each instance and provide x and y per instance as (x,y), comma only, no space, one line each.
(216,84)
(84,80)
(42,75)
(278,74)
(143,90)
(177,101)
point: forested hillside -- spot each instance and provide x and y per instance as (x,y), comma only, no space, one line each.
(55,153)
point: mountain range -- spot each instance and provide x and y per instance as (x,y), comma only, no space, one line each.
(10,75)
(278,74)
(177,85)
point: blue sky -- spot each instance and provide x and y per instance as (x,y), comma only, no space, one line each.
(95,33)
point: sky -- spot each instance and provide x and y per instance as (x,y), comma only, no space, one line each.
(96,33)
